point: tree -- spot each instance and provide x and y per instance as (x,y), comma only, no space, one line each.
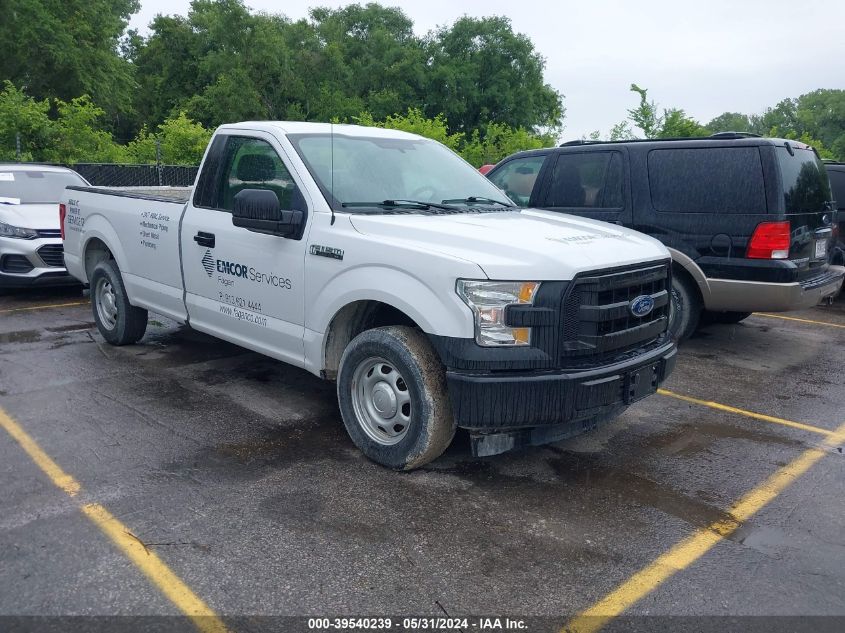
(167,68)
(730,122)
(621,132)
(783,116)
(67,49)
(480,71)
(22,115)
(821,115)
(676,124)
(497,142)
(644,116)
(500,140)
(415,122)
(818,117)
(376,56)
(77,135)
(673,123)
(182,142)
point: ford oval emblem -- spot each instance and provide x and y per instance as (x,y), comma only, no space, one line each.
(641,306)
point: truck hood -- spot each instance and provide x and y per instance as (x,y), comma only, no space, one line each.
(31,216)
(529,244)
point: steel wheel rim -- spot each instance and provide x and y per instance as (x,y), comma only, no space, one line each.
(106,304)
(382,401)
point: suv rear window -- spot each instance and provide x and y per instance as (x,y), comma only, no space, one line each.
(806,187)
(707,180)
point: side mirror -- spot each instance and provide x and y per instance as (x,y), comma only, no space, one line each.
(258,210)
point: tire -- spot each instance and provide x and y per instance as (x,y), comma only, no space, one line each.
(685,308)
(119,322)
(726,317)
(402,419)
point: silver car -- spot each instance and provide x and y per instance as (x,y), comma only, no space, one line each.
(31,251)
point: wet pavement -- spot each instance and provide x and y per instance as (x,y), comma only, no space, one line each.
(236,471)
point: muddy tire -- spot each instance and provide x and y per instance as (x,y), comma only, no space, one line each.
(118,321)
(685,308)
(392,392)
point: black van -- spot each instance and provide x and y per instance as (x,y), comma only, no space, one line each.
(748,220)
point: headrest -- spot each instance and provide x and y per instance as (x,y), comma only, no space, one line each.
(256,168)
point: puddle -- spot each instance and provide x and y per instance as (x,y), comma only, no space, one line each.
(307,440)
(689,439)
(73,327)
(21,336)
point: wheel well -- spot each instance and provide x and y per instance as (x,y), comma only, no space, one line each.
(95,252)
(353,319)
(679,271)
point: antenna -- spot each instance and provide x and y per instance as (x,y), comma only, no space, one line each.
(331,178)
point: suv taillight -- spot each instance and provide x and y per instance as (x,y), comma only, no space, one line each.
(770,241)
(62,214)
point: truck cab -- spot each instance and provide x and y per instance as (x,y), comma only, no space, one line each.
(383,261)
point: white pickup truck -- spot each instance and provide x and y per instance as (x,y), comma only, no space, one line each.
(383,261)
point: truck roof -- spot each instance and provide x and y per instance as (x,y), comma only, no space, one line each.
(303,127)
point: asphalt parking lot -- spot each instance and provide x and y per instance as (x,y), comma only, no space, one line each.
(185,473)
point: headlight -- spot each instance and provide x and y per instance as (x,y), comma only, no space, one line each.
(487,300)
(7,230)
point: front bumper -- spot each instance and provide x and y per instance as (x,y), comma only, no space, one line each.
(23,264)
(500,402)
(751,296)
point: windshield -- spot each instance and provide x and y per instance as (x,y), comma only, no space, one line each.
(36,187)
(806,187)
(376,170)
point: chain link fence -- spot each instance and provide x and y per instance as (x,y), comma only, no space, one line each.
(128,175)
(111,175)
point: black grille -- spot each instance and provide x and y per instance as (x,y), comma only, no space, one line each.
(53,255)
(15,264)
(49,232)
(597,324)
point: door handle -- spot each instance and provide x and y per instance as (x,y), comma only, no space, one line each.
(204,239)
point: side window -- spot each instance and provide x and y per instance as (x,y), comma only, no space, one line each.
(837,183)
(708,179)
(586,180)
(205,193)
(517,177)
(251,163)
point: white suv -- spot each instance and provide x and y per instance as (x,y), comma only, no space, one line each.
(31,251)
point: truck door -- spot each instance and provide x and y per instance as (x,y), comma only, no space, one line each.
(243,286)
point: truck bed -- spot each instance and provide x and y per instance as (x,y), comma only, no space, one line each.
(140,226)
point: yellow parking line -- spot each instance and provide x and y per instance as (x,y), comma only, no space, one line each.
(154,568)
(786,318)
(147,561)
(748,414)
(42,460)
(46,307)
(695,546)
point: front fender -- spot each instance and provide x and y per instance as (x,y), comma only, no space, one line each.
(435,310)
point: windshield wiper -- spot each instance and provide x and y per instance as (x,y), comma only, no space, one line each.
(477,200)
(401,204)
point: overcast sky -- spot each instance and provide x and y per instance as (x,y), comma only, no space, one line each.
(706,57)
